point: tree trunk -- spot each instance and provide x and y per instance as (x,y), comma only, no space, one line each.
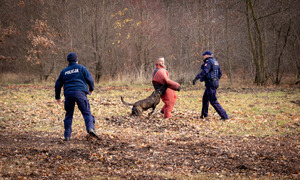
(258,55)
(254,56)
(98,70)
(278,75)
(228,45)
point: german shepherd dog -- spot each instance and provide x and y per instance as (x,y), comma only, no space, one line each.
(145,104)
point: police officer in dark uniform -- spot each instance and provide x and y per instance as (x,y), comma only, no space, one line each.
(210,74)
(77,83)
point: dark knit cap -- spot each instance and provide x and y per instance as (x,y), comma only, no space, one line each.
(72,57)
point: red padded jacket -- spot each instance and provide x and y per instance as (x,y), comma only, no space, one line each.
(161,76)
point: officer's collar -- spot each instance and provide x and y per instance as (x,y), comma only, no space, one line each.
(72,62)
(206,59)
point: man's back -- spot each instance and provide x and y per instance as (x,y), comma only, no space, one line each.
(75,77)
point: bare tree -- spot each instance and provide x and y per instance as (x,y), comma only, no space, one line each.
(279,50)
(257,47)
(121,39)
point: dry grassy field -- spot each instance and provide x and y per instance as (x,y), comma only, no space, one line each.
(260,140)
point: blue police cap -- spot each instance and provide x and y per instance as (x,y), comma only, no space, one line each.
(207,53)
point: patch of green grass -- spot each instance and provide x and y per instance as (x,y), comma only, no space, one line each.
(260,112)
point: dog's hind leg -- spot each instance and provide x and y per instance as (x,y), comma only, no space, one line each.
(136,111)
(153,108)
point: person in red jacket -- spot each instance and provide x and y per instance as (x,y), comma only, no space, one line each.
(160,77)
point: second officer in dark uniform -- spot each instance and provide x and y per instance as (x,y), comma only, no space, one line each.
(210,74)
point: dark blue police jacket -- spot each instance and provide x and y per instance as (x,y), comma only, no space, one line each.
(211,72)
(74,77)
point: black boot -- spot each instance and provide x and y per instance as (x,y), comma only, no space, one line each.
(223,119)
(202,117)
(93,133)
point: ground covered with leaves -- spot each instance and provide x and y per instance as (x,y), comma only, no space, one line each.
(261,139)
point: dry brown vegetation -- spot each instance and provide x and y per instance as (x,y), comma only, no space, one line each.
(261,140)
(120,40)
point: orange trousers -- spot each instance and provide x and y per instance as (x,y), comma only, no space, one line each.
(169,98)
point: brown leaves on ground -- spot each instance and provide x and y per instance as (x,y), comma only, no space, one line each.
(34,155)
(31,144)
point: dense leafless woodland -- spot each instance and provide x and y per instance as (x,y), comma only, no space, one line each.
(118,40)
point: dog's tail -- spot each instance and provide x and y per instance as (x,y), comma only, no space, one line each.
(126,103)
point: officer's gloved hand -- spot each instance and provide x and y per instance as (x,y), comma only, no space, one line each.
(179,88)
(194,81)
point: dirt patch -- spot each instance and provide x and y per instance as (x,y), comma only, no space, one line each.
(38,155)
